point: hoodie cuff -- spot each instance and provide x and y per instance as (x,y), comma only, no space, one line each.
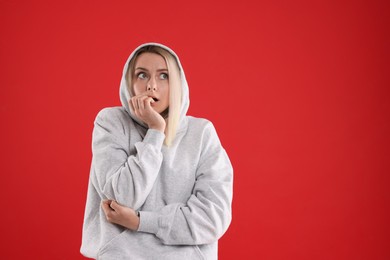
(148,222)
(154,137)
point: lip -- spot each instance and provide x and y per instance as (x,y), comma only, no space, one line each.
(155,99)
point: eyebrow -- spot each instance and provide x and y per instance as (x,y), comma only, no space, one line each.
(141,68)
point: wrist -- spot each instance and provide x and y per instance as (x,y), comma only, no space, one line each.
(158,127)
(132,222)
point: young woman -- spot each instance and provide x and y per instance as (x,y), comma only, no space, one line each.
(160,183)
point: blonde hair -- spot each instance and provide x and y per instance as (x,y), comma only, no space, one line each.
(175,90)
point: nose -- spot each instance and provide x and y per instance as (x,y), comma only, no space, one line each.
(152,85)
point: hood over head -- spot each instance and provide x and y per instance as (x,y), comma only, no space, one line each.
(125,94)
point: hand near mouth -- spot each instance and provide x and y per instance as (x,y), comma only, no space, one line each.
(142,107)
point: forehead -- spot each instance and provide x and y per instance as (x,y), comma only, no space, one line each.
(150,61)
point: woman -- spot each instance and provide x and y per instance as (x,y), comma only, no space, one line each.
(160,183)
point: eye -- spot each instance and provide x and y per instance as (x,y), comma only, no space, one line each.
(163,76)
(142,75)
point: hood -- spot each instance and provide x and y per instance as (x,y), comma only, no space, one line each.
(125,95)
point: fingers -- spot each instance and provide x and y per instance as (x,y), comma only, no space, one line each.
(147,103)
(144,94)
(106,208)
(111,208)
(121,215)
(114,205)
(106,203)
(131,103)
(140,103)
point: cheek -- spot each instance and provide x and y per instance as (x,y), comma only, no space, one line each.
(166,93)
(138,88)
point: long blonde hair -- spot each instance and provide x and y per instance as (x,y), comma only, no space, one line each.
(175,89)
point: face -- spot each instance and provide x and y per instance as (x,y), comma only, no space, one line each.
(151,77)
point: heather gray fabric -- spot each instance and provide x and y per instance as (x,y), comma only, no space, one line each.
(183,192)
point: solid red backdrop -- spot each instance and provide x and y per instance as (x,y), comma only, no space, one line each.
(298,92)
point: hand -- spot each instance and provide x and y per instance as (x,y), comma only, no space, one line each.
(120,215)
(141,105)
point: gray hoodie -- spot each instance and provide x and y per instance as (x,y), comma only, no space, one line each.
(183,192)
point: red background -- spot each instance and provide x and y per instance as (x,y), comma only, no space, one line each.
(298,91)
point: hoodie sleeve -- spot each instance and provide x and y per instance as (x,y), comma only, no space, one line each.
(207,214)
(128,179)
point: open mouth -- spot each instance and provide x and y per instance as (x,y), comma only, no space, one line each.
(155,99)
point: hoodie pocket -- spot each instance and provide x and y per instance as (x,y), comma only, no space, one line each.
(114,249)
(142,246)
(199,252)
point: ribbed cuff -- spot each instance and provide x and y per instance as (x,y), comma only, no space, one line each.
(148,222)
(154,137)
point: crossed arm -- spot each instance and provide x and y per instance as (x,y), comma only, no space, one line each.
(118,214)
(201,220)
